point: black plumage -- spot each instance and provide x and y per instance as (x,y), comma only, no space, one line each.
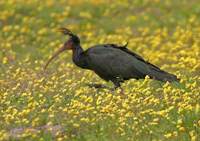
(112,62)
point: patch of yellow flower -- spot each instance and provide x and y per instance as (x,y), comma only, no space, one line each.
(38,105)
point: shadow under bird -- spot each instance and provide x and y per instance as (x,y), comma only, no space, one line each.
(111,62)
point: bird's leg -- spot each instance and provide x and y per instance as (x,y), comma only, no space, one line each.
(97,86)
(116,82)
(117,85)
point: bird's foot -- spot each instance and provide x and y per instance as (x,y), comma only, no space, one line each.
(120,91)
(97,86)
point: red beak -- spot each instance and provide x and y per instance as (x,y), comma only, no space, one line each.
(54,56)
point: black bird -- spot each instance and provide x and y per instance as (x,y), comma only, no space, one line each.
(111,62)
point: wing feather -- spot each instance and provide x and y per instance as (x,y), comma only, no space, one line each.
(112,62)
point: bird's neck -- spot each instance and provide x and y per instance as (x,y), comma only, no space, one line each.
(78,56)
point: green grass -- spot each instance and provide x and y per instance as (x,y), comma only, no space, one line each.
(33,100)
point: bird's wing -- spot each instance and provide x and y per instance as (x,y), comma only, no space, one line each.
(123,48)
(148,69)
(111,61)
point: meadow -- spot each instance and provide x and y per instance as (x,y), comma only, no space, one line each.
(56,104)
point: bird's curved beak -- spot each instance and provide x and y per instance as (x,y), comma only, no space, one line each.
(60,30)
(65,47)
(54,55)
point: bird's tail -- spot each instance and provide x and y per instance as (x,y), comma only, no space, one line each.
(158,74)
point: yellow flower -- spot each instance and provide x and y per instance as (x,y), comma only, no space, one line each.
(168,135)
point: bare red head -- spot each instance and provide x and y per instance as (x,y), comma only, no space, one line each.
(68,45)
